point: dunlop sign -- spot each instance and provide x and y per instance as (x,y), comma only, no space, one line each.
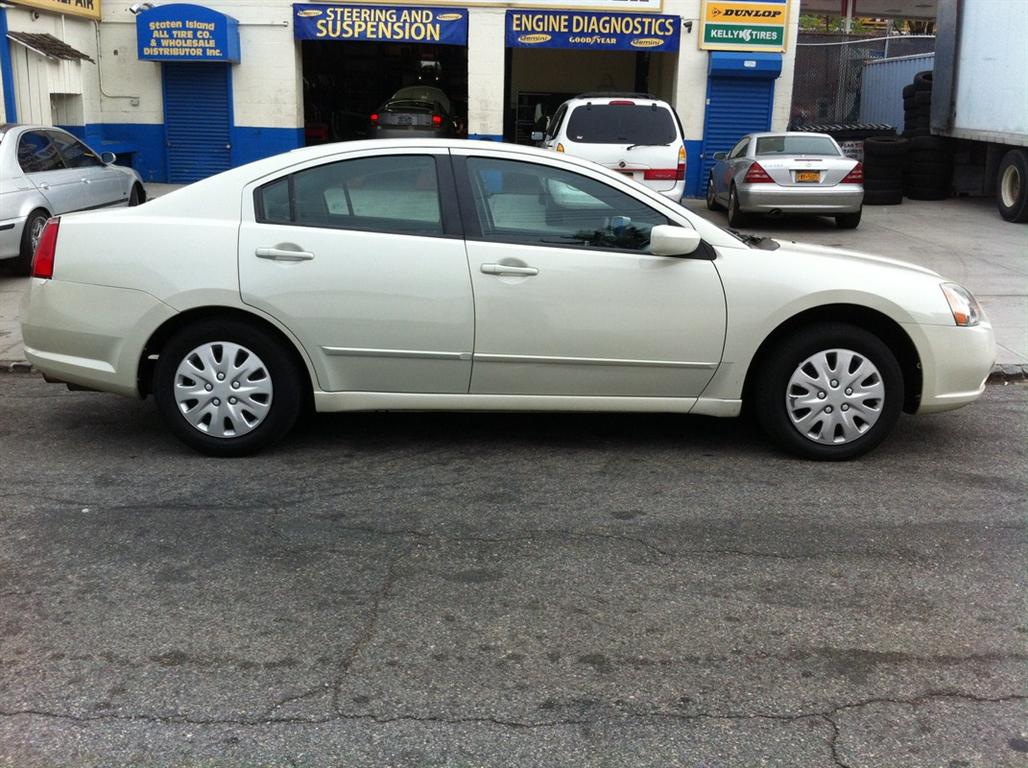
(88,8)
(395,24)
(728,25)
(593,31)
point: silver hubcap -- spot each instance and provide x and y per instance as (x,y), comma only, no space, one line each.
(223,389)
(36,232)
(835,396)
(1010,186)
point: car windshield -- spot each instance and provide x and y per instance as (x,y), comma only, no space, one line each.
(622,124)
(422,93)
(796,145)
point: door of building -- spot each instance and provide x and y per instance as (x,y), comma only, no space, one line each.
(197,120)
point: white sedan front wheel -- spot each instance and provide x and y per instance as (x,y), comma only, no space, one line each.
(830,392)
(226,388)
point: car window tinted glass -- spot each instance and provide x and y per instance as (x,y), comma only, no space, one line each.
(36,153)
(397,194)
(533,204)
(796,145)
(639,124)
(75,153)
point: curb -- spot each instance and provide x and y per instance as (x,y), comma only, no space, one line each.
(1000,374)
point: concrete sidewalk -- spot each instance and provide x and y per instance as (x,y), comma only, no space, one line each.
(965,240)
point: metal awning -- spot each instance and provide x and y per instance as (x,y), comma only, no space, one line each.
(49,46)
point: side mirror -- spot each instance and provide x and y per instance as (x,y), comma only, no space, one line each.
(720,155)
(666,240)
(108,157)
(538,136)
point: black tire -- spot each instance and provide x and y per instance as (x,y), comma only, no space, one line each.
(934,143)
(938,181)
(908,91)
(923,99)
(279,370)
(712,203)
(940,169)
(771,389)
(884,146)
(882,185)
(848,220)
(926,193)
(1012,186)
(137,196)
(919,156)
(736,218)
(908,104)
(883,196)
(22,264)
(923,81)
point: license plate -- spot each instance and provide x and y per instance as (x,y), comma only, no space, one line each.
(814,176)
(404,120)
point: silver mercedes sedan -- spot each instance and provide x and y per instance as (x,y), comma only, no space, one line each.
(796,173)
(46,172)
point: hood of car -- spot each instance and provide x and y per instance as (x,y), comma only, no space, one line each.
(808,249)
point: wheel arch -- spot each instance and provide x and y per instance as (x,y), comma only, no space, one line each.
(872,320)
(157,340)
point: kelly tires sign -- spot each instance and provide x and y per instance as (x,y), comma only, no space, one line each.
(744,26)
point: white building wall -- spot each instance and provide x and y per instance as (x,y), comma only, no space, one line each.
(486,49)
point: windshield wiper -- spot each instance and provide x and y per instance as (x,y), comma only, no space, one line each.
(633,146)
(762,242)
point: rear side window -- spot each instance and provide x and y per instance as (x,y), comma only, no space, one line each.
(397,194)
(36,153)
(622,124)
(796,145)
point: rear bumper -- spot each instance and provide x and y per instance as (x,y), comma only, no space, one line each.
(89,335)
(765,198)
(955,362)
(407,132)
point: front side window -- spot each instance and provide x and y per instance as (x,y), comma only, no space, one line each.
(530,204)
(622,124)
(36,153)
(75,153)
(397,194)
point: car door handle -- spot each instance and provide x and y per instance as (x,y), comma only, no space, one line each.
(282,254)
(44,186)
(504,269)
(84,181)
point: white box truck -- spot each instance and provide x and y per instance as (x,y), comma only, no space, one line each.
(980,98)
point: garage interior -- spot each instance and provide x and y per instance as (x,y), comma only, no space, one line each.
(344,82)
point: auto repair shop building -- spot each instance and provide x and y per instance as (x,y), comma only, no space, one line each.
(181,91)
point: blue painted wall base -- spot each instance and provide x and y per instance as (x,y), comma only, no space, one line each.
(694,185)
(142,146)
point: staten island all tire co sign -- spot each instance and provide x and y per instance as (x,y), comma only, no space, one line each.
(744,26)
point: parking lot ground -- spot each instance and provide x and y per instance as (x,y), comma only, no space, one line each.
(963,239)
(509,590)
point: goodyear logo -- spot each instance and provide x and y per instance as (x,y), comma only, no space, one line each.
(449,17)
(309,14)
(534,39)
(647,42)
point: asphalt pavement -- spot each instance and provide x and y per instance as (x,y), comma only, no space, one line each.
(509,590)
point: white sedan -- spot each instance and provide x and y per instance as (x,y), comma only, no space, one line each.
(455,275)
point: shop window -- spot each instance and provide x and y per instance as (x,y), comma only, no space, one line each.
(398,194)
(530,204)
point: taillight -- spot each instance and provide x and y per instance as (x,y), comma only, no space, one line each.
(621,103)
(437,120)
(757,175)
(680,171)
(856,176)
(374,118)
(43,259)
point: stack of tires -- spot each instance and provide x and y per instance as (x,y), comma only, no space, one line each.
(929,167)
(884,161)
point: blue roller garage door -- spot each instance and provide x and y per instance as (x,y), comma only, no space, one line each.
(197,120)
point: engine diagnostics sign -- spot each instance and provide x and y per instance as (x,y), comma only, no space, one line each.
(595,31)
(380,23)
(744,26)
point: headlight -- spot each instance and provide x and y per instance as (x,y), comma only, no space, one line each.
(962,304)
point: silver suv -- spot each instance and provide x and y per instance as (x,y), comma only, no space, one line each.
(636,134)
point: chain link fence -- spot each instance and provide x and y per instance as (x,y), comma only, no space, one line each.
(829,69)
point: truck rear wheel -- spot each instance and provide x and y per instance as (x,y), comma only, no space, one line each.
(1012,186)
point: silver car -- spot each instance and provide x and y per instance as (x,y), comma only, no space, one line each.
(45,172)
(776,173)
